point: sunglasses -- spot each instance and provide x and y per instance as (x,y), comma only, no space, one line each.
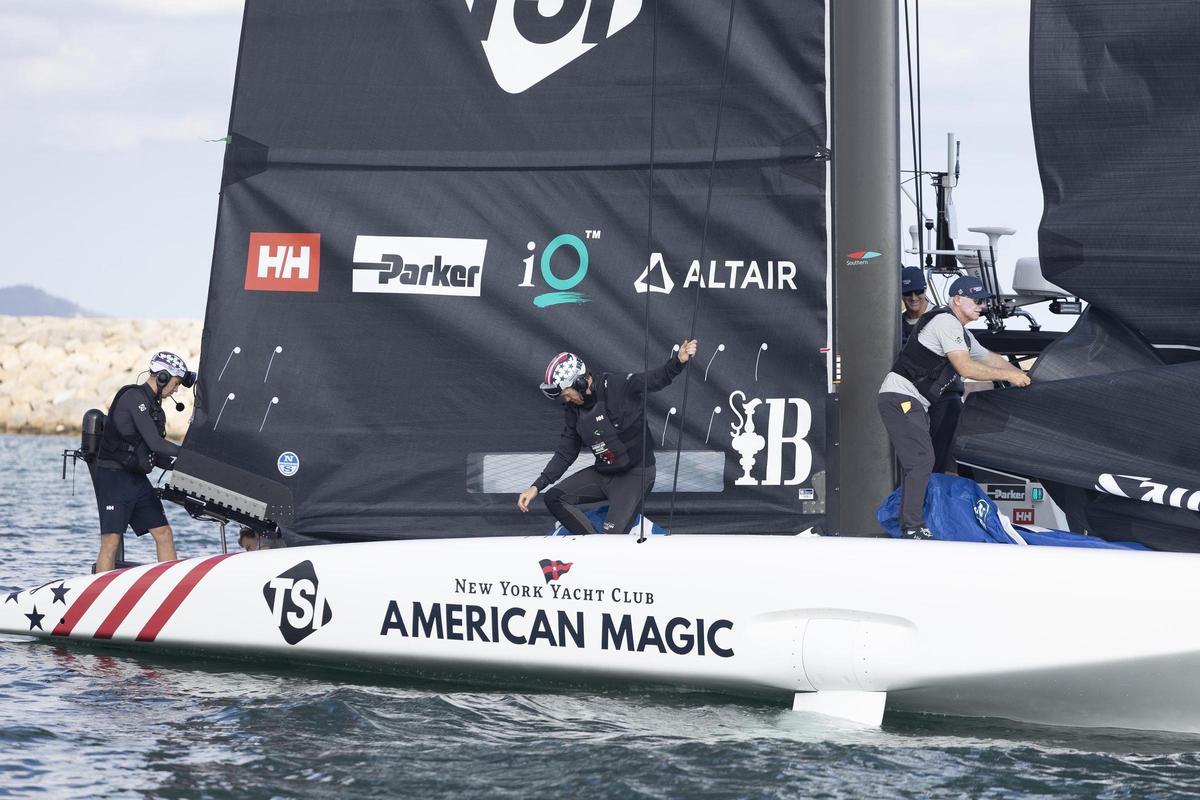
(913,294)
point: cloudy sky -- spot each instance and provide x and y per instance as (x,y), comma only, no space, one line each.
(110,191)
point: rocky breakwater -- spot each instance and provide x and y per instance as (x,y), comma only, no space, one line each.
(52,369)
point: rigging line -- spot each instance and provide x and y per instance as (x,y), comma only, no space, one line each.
(912,120)
(703,244)
(920,111)
(649,261)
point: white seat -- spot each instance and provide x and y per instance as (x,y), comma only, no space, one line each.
(1028,280)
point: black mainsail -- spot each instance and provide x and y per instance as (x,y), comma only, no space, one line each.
(1110,419)
(423,202)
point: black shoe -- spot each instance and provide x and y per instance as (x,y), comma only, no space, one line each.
(918,533)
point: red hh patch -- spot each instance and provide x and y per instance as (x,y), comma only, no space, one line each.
(1022,516)
(284,262)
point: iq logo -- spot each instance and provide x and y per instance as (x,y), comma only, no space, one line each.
(572,261)
(288,464)
(527,41)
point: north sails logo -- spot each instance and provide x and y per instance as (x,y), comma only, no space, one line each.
(418,265)
(296,600)
(527,41)
(1149,491)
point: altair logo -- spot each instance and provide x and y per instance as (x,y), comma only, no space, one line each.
(860,257)
(527,41)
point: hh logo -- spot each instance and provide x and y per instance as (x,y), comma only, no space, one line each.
(749,443)
(527,41)
(418,265)
(296,600)
(284,262)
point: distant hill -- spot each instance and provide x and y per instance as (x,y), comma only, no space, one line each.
(28,301)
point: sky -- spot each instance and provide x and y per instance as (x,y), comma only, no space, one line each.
(110,189)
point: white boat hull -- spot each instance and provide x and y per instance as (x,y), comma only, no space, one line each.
(1048,635)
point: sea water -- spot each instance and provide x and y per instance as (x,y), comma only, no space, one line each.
(85,722)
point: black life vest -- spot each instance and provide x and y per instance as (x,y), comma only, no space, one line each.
(616,445)
(130,452)
(932,374)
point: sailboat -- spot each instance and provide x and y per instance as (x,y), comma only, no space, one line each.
(422,202)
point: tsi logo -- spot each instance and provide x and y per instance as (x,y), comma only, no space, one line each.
(748,442)
(418,265)
(526,41)
(296,600)
(284,262)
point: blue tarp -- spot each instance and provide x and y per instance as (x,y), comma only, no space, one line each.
(597,516)
(956,509)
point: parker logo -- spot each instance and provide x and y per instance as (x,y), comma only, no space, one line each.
(418,265)
(553,570)
(1149,491)
(1014,492)
(748,442)
(296,600)
(284,262)
(727,274)
(527,41)
(859,257)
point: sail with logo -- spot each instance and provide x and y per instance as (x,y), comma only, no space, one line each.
(1110,420)
(423,202)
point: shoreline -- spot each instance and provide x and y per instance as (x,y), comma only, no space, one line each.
(53,369)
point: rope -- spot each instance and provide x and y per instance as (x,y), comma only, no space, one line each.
(649,258)
(913,119)
(703,245)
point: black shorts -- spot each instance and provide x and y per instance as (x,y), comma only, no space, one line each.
(126,499)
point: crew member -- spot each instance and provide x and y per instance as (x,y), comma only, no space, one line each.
(605,413)
(938,352)
(945,412)
(131,445)
(912,295)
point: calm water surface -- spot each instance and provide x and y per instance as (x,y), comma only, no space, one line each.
(78,722)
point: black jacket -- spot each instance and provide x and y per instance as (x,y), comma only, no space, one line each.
(624,400)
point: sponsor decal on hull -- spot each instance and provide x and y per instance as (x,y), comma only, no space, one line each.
(496,623)
(296,600)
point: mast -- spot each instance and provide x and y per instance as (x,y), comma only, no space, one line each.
(864,54)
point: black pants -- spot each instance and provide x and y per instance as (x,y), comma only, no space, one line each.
(943,425)
(907,425)
(622,490)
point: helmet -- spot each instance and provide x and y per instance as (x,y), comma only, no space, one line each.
(173,365)
(565,371)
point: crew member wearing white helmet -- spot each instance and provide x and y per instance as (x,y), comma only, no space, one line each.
(131,445)
(604,413)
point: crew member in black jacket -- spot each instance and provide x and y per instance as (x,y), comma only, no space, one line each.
(131,445)
(605,413)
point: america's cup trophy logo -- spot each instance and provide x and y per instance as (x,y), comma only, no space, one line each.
(745,441)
